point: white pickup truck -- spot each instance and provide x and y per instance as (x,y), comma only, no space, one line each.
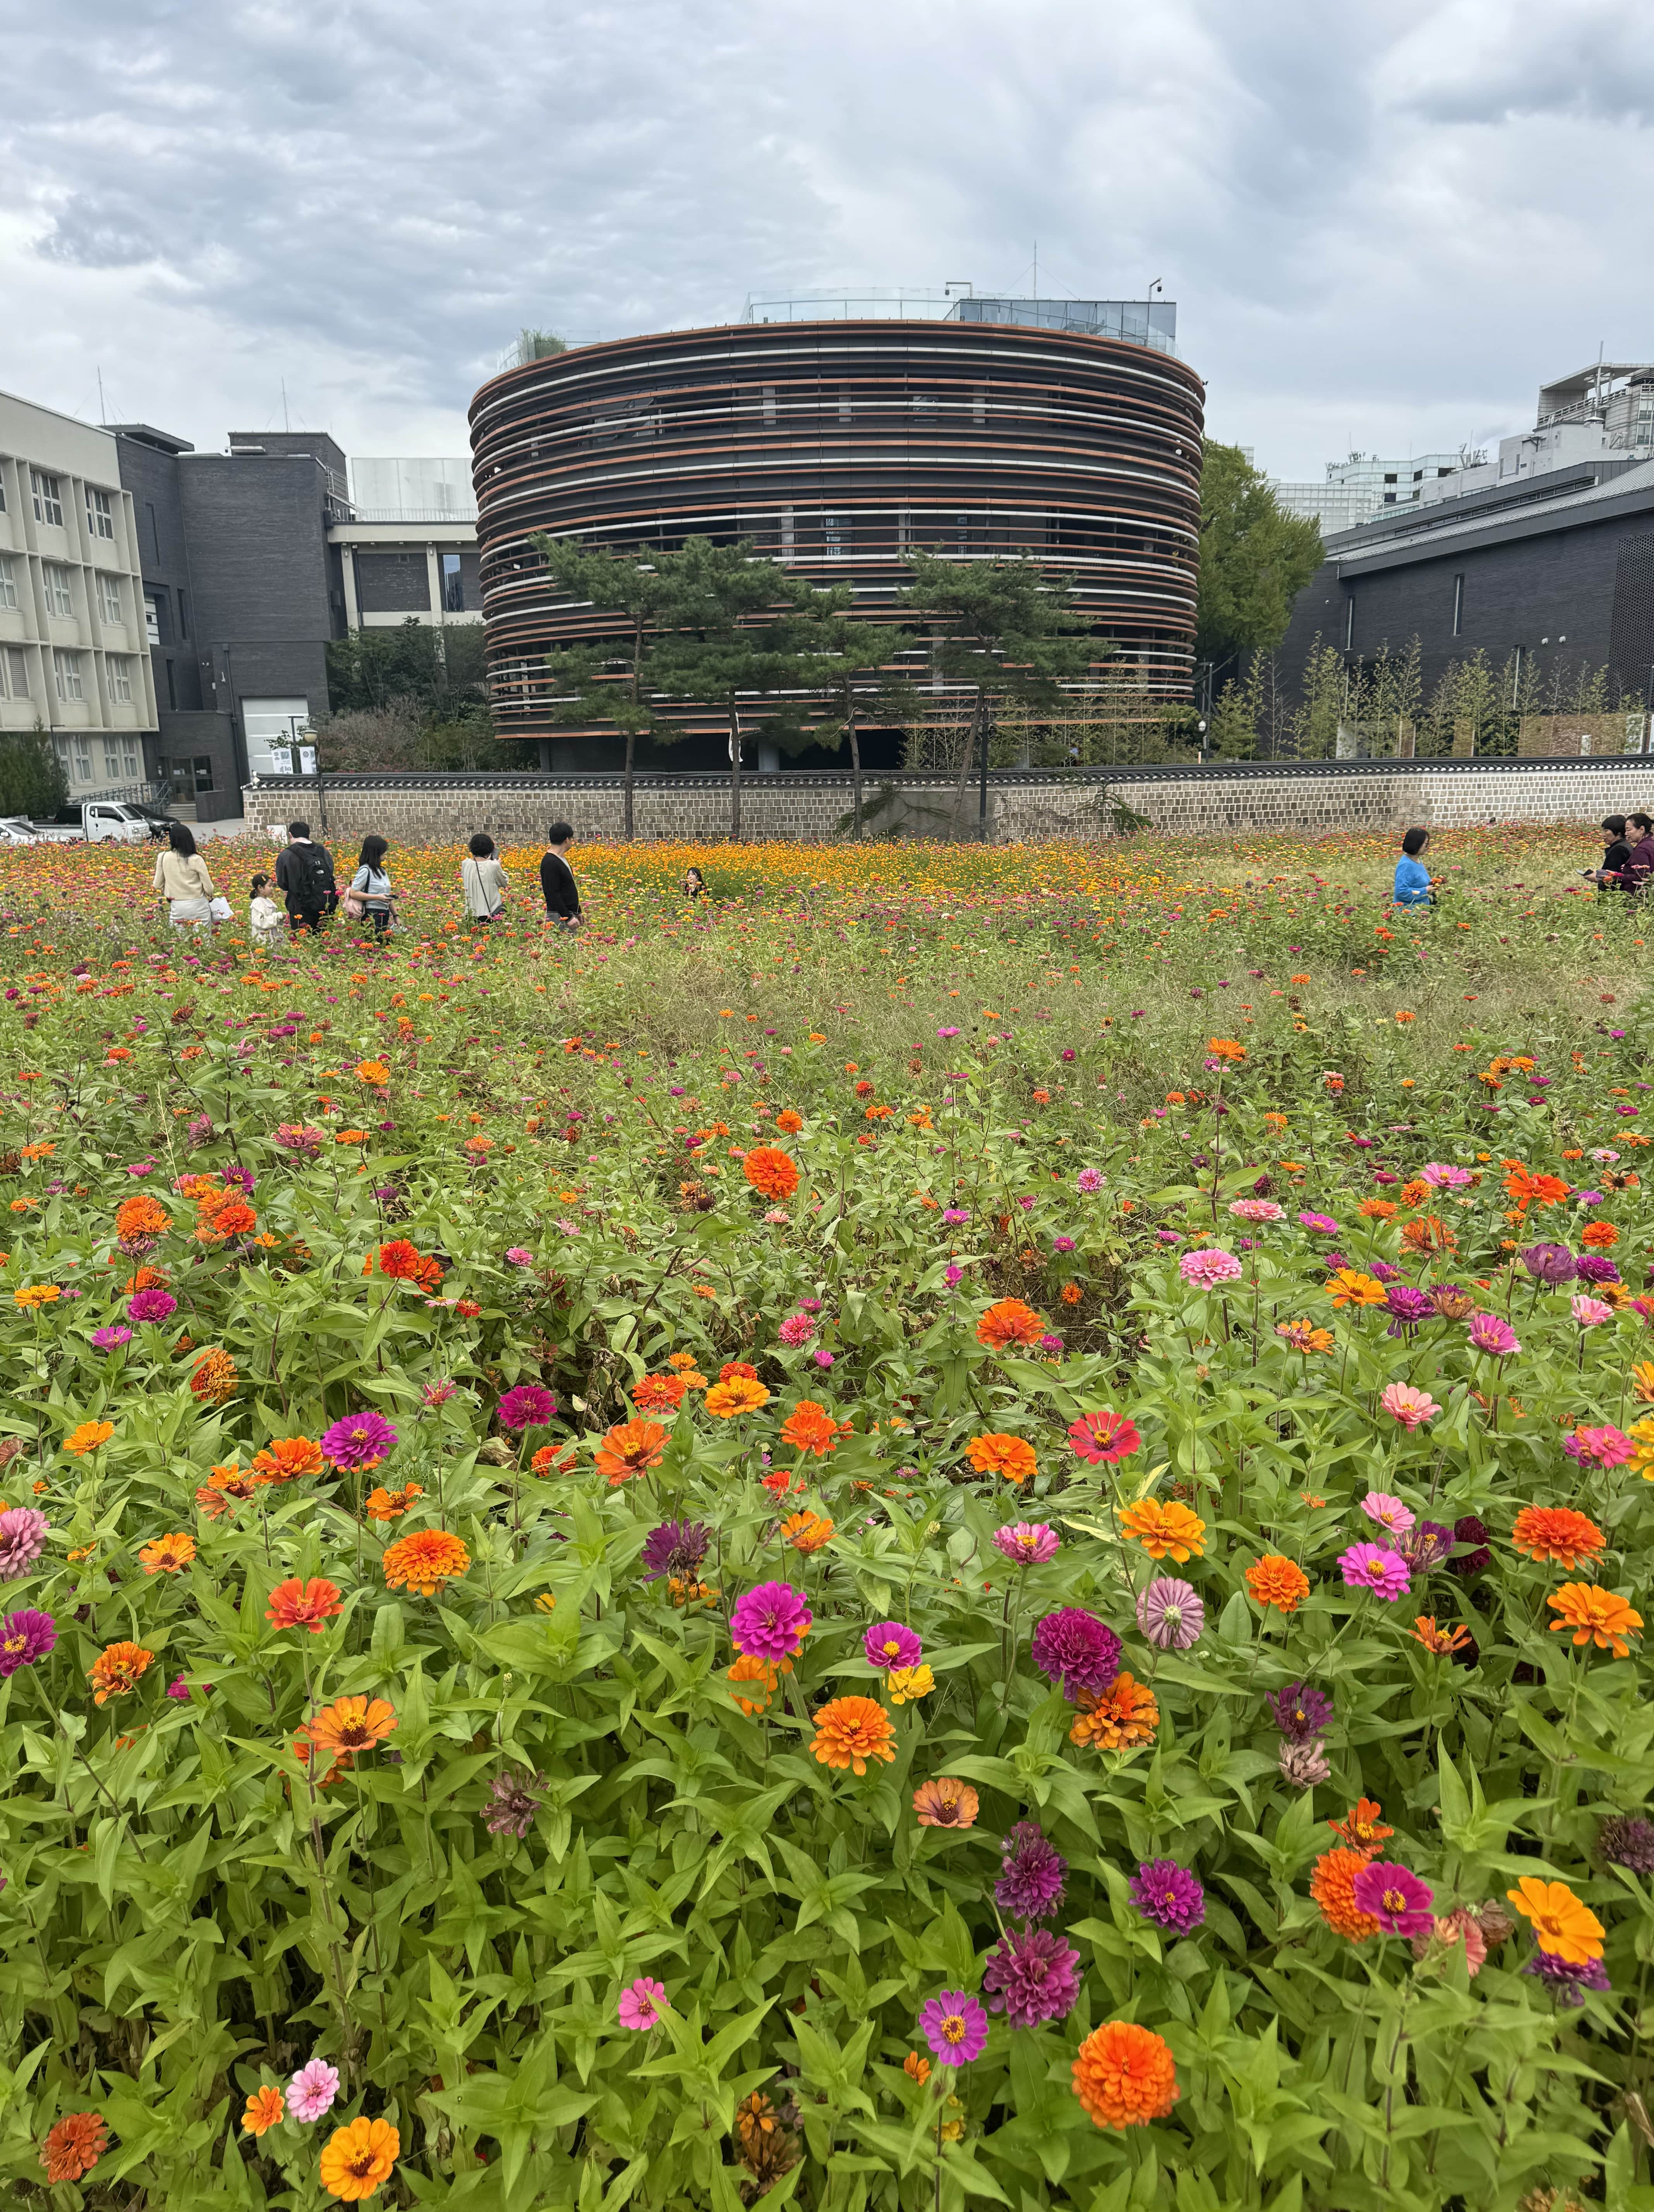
(102,820)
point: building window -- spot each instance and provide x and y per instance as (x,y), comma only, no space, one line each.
(99,519)
(1349,623)
(109,597)
(111,759)
(1390,496)
(155,534)
(84,758)
(453,586)
(7,582)
(13,673)
(66,674)
(1391,478)
(47,493)
(152,617)
(202,767)
(120,679)
(172,688)
(1458,606)
(60,600)
(131,768)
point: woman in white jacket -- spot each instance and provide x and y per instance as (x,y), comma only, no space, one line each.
(483,881)
(182,879)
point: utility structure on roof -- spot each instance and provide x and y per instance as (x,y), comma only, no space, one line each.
(836,433)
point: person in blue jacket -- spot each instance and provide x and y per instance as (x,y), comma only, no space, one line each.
(1411,877)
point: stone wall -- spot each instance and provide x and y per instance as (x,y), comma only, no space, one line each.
(1378,797)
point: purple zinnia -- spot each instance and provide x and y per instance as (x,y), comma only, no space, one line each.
(1425,1546)
(955,2028)
(22,1540)
(24,1637)
(1397,1900)
(1567,1979)
(1407,1306)
(1625,1839)
(359,1440)
(770,1622)
(105,1339)
(513,1801)
(1168,1894)
(1549,1263)
(1468,1530)
(676,1547)
(1374,1567)
(1170,1614)
(1489,1333)
(529,1405)
(1321,1223)
(887,1644)
(150,1305)
(1027,1543)
(1382,1271)
(1301,1712)
(1591,1267)
(1031,1977)
(1075,1649)
(1030,1884)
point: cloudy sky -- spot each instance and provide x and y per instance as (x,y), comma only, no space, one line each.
(1384,224)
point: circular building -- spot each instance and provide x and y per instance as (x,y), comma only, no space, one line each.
(837,446)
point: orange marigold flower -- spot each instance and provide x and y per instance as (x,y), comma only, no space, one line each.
(735,1393)
(805,1531)
(1350,1287)
(1332,1885)
(425,1560)
(1163,1528)
(1011,1456)
(811,1428)
(1561,1924)
(167,1555)
(762,1675)
(631,1448)
(945,1802)
(285,1458)
(141,1218)
(264,2109)
(1442,1642)
(1278,1582)
(1008,1321)
(1557,1532)
(770,1172)
(88,1437)
(1596,1615)
(299,1604)
(74,2145)
(352,1725)
(116,1669)
(849,1731)
(359,2158)
(382,1504)
(214,1378)
(1125,2076)
(401,1260)
(1124,1716)
(1362,1829)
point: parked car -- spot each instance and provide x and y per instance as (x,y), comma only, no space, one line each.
(104,821)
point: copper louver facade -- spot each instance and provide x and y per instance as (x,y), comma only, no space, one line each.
(835,447)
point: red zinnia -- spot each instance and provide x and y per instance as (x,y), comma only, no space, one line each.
(1105,1435)
(297,1604)
(74,2146)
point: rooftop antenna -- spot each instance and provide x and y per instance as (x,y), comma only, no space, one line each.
(286,425)
(103,415)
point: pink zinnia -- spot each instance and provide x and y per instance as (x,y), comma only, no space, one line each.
(527,1406)
(520,1255)
(1397,1900)
(642,2003)
(150,1305)
(1489,1333)
(359,1440)
(1323,1224)
(770,1622)
(796,1330)
(1604,1447)
(1443,1176)
(1105,1435)
(1027,1543)
(312,2091)
(887,1644)
(1459,1926)
(1590,1313)
(1209,1266)
(1410,1406)
(1256,1209)
(1370,1566)
(1388,1511)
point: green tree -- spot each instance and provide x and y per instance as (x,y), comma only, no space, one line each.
(843,660)
(1255,558)
(32,778)
(443,667)
(1012,634)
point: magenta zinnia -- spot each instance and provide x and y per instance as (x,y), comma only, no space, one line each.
(1030,1976)
(1027,1543)
(24,1637)
(529,1405)
(1396,1900)
(1073,1647)
(360,1440)
(770,1622)
(1370,1566)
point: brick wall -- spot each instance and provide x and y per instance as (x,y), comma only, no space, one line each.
(1383,799)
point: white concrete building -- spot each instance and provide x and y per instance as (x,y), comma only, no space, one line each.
(408,552)
(74,648)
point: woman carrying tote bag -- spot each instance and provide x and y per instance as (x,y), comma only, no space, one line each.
(483,881)
(370,893)
(181,878)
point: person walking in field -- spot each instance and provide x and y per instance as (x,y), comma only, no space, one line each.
(483,880)
(304,873)
(265,916)
(182,879)
(557,882)
(370,895)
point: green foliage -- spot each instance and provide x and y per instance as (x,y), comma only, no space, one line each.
(1255,558)
(32,778)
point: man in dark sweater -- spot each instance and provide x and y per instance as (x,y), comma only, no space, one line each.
(557,878)
(304,872)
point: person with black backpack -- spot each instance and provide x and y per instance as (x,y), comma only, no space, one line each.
(304,872)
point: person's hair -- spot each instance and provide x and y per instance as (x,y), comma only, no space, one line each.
(373,851)
(1615,825)
(1644,822)
(181,838)
(481,846)
(696,873)
(298,829)
(1414,842)
(559,833)
(258,883)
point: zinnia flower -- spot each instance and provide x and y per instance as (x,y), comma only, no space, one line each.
(1075,1649)
(1590,1313)
(1303,1336)
(1370,1566)
(360,1440)
(286,1458)
(312,2091)
(1030,1883)
(1567,1981)
(1008,1321)
(811,1428)
(887,1644)
(796,1330)
(23,1533)
(1332,1885)
(214,1379)
(1205,1268)
(1277,1581)
(1476,1561)
(1122,1717)
(359,2159)
(1596,1616)
(1104,1435)
(770,1622)
(1301,1712)
(263,2110)
(25,1638)
(1027,1543)
(946,1803)
(1348,1286)
(299,1604)
(906,1684)
(955,2028)
(630,1447)
(739,1394)
(1168,1895)
(1125,2076)
(1561,1924)
(1551,1264)
(150,1306)
(1488,1334)
(167,1555)
(1557,1533)
(1165,1529)
(770,1172)
(676,1547)
(73,2144)
(352,1725)
(116,1669)
(849,1731)
(424,1561)
(1170,1614)
(512,1803)
(1410,1406)
(527,1406)
(1388,1511)
(1396,1900)
(1011,1456)
(1302,1765)
(1031,1976)
(1601,1446)
(642,2003)
(87,1437)
(1361,1827)
(1625,1839)
(383,1504)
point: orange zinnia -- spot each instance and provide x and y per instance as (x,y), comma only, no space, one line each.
(789,1121)
(1008,1321)
(214,1378)
(762,1675)
(1561,1924)
(141,1218)
(167,1555)
(1333,1888)
(352,1725)
(358,2158)
(659,1394)
(1443,1641)
(1125,2075)
(1123,1717)
(770,1172)
(299,1604)
(811,1428)
(1600,1237)
(805,1531)
(1378,1209)
(401,1260)
(287,1457)
(88,1437)
(1596,1616)
(116,1669)
(740,1394)
(1011,1456)
(425,1560)
(631,1448)
(372,1070)
(1557,1533)
(1429,1233)
(1164,1528)
(74,2145)
(1350,1287)
(1277,1581)
(263,2110)
(382,1504)
(849,1731)
(946,1803)
(1362,1829)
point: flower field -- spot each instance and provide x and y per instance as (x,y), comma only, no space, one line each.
(963,1527)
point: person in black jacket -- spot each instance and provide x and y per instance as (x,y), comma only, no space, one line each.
(557,878)
(304,872)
